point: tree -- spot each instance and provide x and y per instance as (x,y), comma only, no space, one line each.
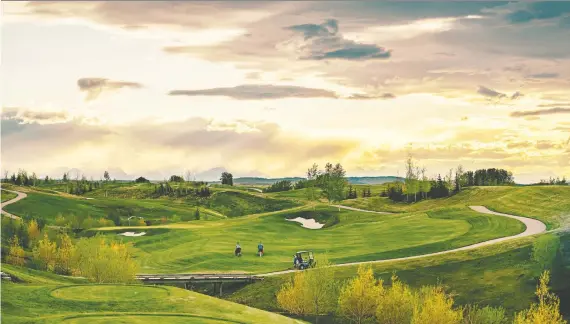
(197,214)
(65,178)
(474,314)
(544,251)
(435,306)
(64,255)
(188,175)
(106,176)
(33,230)
(548,308)
(410,177)
(282,185)
(311,185)
(459,178)
(45,254)
(396,304)
(333,182)
(311,292)
(16,253)
(103,262)
(227,179)
(360,296)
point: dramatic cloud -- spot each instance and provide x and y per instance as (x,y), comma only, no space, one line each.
(321,42)
(33,116)
(551,111)
(95,86)
(539,11)
(258,91)
(484,91)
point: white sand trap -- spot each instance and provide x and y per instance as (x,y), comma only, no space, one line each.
(307,223)
(88,198)
(133,234)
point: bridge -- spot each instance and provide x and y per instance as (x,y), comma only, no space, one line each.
(192,278)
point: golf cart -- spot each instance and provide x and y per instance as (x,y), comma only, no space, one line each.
(303,260)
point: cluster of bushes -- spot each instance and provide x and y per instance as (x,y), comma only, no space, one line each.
(283,185)
(364,299)
(352,194)
(94,258)
(553,181)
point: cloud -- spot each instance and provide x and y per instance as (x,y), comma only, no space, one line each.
(258,92)
(371,97)
(321,42)
(487,92)
(513,145)
(95,86)
(544,75)
(516,95)
(539,11)
(551,111)
(546,145)
(33,116)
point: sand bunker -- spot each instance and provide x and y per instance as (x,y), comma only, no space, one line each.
(133,234)
(307,223)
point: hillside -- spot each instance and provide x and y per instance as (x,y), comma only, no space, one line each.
(49,298)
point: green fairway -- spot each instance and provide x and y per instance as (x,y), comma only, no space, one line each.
(550,204)
(49,298)
(109,292)
(5,195)
(209,246)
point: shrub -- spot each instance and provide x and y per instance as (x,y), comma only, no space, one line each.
(486,315)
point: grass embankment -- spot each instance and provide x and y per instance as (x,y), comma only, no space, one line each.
(500,275)
(5,195)
(358,236)
(49,298)
(550,204)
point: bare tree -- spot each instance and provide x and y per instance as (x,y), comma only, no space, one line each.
(6,172)
(188,175)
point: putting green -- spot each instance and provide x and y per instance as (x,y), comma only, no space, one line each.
(109,293)
(143,318)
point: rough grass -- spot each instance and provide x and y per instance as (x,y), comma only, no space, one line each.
(358,236)
(235,203)
(498,275)
(550,204)
(5,195)
(48,298)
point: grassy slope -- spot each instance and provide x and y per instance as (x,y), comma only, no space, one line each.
(501,275)
(208,246)
(48,298)
(235,203)
(47,206)
(5,195)
(551,204)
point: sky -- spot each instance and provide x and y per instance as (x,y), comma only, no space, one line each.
(269,88)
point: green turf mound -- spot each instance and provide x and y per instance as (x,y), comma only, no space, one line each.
(235,204)
(109,293)
(135,318)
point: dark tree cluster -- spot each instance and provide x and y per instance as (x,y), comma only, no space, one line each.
(227,179)
(165,189)
(366,193)
(439,188)
(488,177)
(283,185)
(303,183)
(175,178)
(351,194)
(22,178)
(141,180)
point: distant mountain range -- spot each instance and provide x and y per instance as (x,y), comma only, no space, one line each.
(351,180)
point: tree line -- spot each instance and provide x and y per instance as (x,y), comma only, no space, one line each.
(365,299)
(418,186)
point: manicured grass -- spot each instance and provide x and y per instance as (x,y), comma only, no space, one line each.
(550,204)
(499,275)
(48,298)
(5,195)
(358,236)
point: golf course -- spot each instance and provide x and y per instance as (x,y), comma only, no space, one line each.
(425,242)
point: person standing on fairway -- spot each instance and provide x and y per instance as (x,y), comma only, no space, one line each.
(238,249)
(260,249)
